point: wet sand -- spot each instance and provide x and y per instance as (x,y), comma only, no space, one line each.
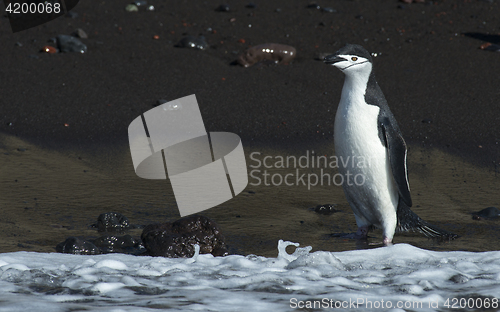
(48,196)
(441,87)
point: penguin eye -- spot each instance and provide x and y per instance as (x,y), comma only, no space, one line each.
(354,58)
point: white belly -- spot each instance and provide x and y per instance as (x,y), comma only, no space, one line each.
(357,143)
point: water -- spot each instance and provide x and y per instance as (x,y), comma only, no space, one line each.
(400,275)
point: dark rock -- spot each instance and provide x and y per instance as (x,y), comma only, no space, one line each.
(77,246)
(251,5)
(327,209)
(222,8)
(193,42)
(177,239)
(486,213)
(427,120)
(67,43)
(113,243)
(111,221)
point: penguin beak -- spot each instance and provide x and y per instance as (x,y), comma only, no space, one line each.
(332,59)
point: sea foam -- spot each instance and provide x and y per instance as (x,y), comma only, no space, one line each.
(396,278)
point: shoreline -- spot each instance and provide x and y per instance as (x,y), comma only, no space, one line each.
(72,189)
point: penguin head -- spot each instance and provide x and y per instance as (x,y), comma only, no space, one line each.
(352,59)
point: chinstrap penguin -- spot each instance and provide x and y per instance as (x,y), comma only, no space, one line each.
(366,130)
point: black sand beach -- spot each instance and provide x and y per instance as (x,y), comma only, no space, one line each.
(63,124)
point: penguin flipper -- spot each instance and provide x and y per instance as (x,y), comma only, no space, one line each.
(410,221)
(397,157)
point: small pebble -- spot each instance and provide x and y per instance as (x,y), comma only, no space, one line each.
(251,5)
(273,52)
(72,14)
(70,44)
(49,49)
(19,44)
(329,10)
(222,8)
(80,33)
(131,8)
(327,209)
(427,120)
(140,3)
(486,213)
(150,8)
(313,6)
(199,43)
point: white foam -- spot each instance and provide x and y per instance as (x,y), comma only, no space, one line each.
(118,282)
(113,264)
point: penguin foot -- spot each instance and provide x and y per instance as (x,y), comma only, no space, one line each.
(361,234)
(387,241)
